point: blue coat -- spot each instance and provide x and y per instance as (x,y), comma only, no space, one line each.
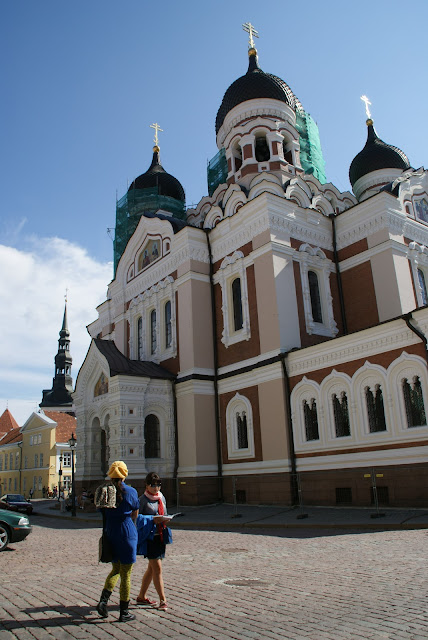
(120,528)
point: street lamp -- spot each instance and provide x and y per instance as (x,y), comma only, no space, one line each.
(72,443)
(60,476)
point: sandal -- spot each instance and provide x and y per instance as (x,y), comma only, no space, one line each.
(163,606)
(146,602)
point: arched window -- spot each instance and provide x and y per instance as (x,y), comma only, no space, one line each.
(237,304)
(140,338)
(341,415)
(237,155)
(375,409)
(242,430)
(153,337)
(414,402)
(288,155)
(422,286)
(262,149)
(311,420)
(314,292)
(168,325)
(152,436)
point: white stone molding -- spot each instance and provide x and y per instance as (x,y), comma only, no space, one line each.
(337,383)
(232,267)
(407,366)
(265,182)
(235,201)
(242,406)
(263,108)
(322,204)
(141,306)
(370,375)
(298,191)
(307,390)
(418,256)
(311,259)
(372,182)
(214,215)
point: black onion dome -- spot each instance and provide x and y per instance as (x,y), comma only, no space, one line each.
(376,155)
(156,176)
(255,84)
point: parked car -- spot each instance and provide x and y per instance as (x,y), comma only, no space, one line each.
(18,501)
(13,528)
(10,507)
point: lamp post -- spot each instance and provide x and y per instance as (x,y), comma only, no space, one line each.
(72,443)
(60,476)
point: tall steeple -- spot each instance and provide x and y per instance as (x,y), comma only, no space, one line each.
(59,397)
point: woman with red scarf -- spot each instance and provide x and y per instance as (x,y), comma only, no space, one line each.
(153,503)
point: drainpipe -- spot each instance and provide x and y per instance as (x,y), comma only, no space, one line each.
(293,482)
(174,396)
(332,217)
(419,333)
(215,352)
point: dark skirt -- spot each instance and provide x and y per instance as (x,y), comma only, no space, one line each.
(155,549)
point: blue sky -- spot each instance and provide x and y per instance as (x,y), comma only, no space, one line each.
(83,81)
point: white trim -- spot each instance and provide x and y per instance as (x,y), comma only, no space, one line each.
(231,268)
(242,406)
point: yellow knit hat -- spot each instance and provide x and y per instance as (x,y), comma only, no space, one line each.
(118,470)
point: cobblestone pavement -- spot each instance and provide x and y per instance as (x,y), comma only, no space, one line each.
(297,585)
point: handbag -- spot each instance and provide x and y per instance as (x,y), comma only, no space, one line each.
(105,549)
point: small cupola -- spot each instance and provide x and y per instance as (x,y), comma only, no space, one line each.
(376,165)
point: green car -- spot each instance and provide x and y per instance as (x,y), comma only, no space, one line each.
(14,527)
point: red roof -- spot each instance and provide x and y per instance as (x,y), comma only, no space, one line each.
(14,435)
(66,424)
(7,422)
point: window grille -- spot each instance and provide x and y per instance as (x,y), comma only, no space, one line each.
(311,420)
(382,495)
(168,325)
(343,495)
(375,409)
(41,460)
(152,436)
(423,286)
(341,415)
(36,460)
(17,460)
(314,291)
(242,431)
(153,337)
(414,402)
(140,338)
(237,304)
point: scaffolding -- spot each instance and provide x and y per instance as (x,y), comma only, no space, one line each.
(131,207)
(311,157)
(217,171)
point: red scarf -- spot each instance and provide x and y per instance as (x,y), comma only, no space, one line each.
(157,497)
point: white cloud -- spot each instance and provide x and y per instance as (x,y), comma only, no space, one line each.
(32,287)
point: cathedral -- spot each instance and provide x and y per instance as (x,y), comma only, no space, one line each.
(269,345)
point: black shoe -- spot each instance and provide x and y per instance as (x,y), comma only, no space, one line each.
(125,615)
(102,605)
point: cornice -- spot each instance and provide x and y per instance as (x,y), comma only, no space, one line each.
(363,344)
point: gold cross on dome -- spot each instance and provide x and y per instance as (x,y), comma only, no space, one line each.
(66,294)
(157,128)
(248,27)
(366,102)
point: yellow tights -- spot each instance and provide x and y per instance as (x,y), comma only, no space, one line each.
(124,571)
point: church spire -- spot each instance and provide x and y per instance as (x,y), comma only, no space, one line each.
(59,397)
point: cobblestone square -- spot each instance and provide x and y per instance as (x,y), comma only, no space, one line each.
(297,585)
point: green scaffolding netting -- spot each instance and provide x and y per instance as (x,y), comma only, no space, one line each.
(217,171)
(311,157)
(131,207)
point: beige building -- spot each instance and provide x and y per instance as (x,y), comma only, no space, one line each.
(272,338)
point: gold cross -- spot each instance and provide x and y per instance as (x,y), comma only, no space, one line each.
(248,27)
(157,128)
(366,102)
(66,293)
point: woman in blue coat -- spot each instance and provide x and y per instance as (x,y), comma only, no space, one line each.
(122,533)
